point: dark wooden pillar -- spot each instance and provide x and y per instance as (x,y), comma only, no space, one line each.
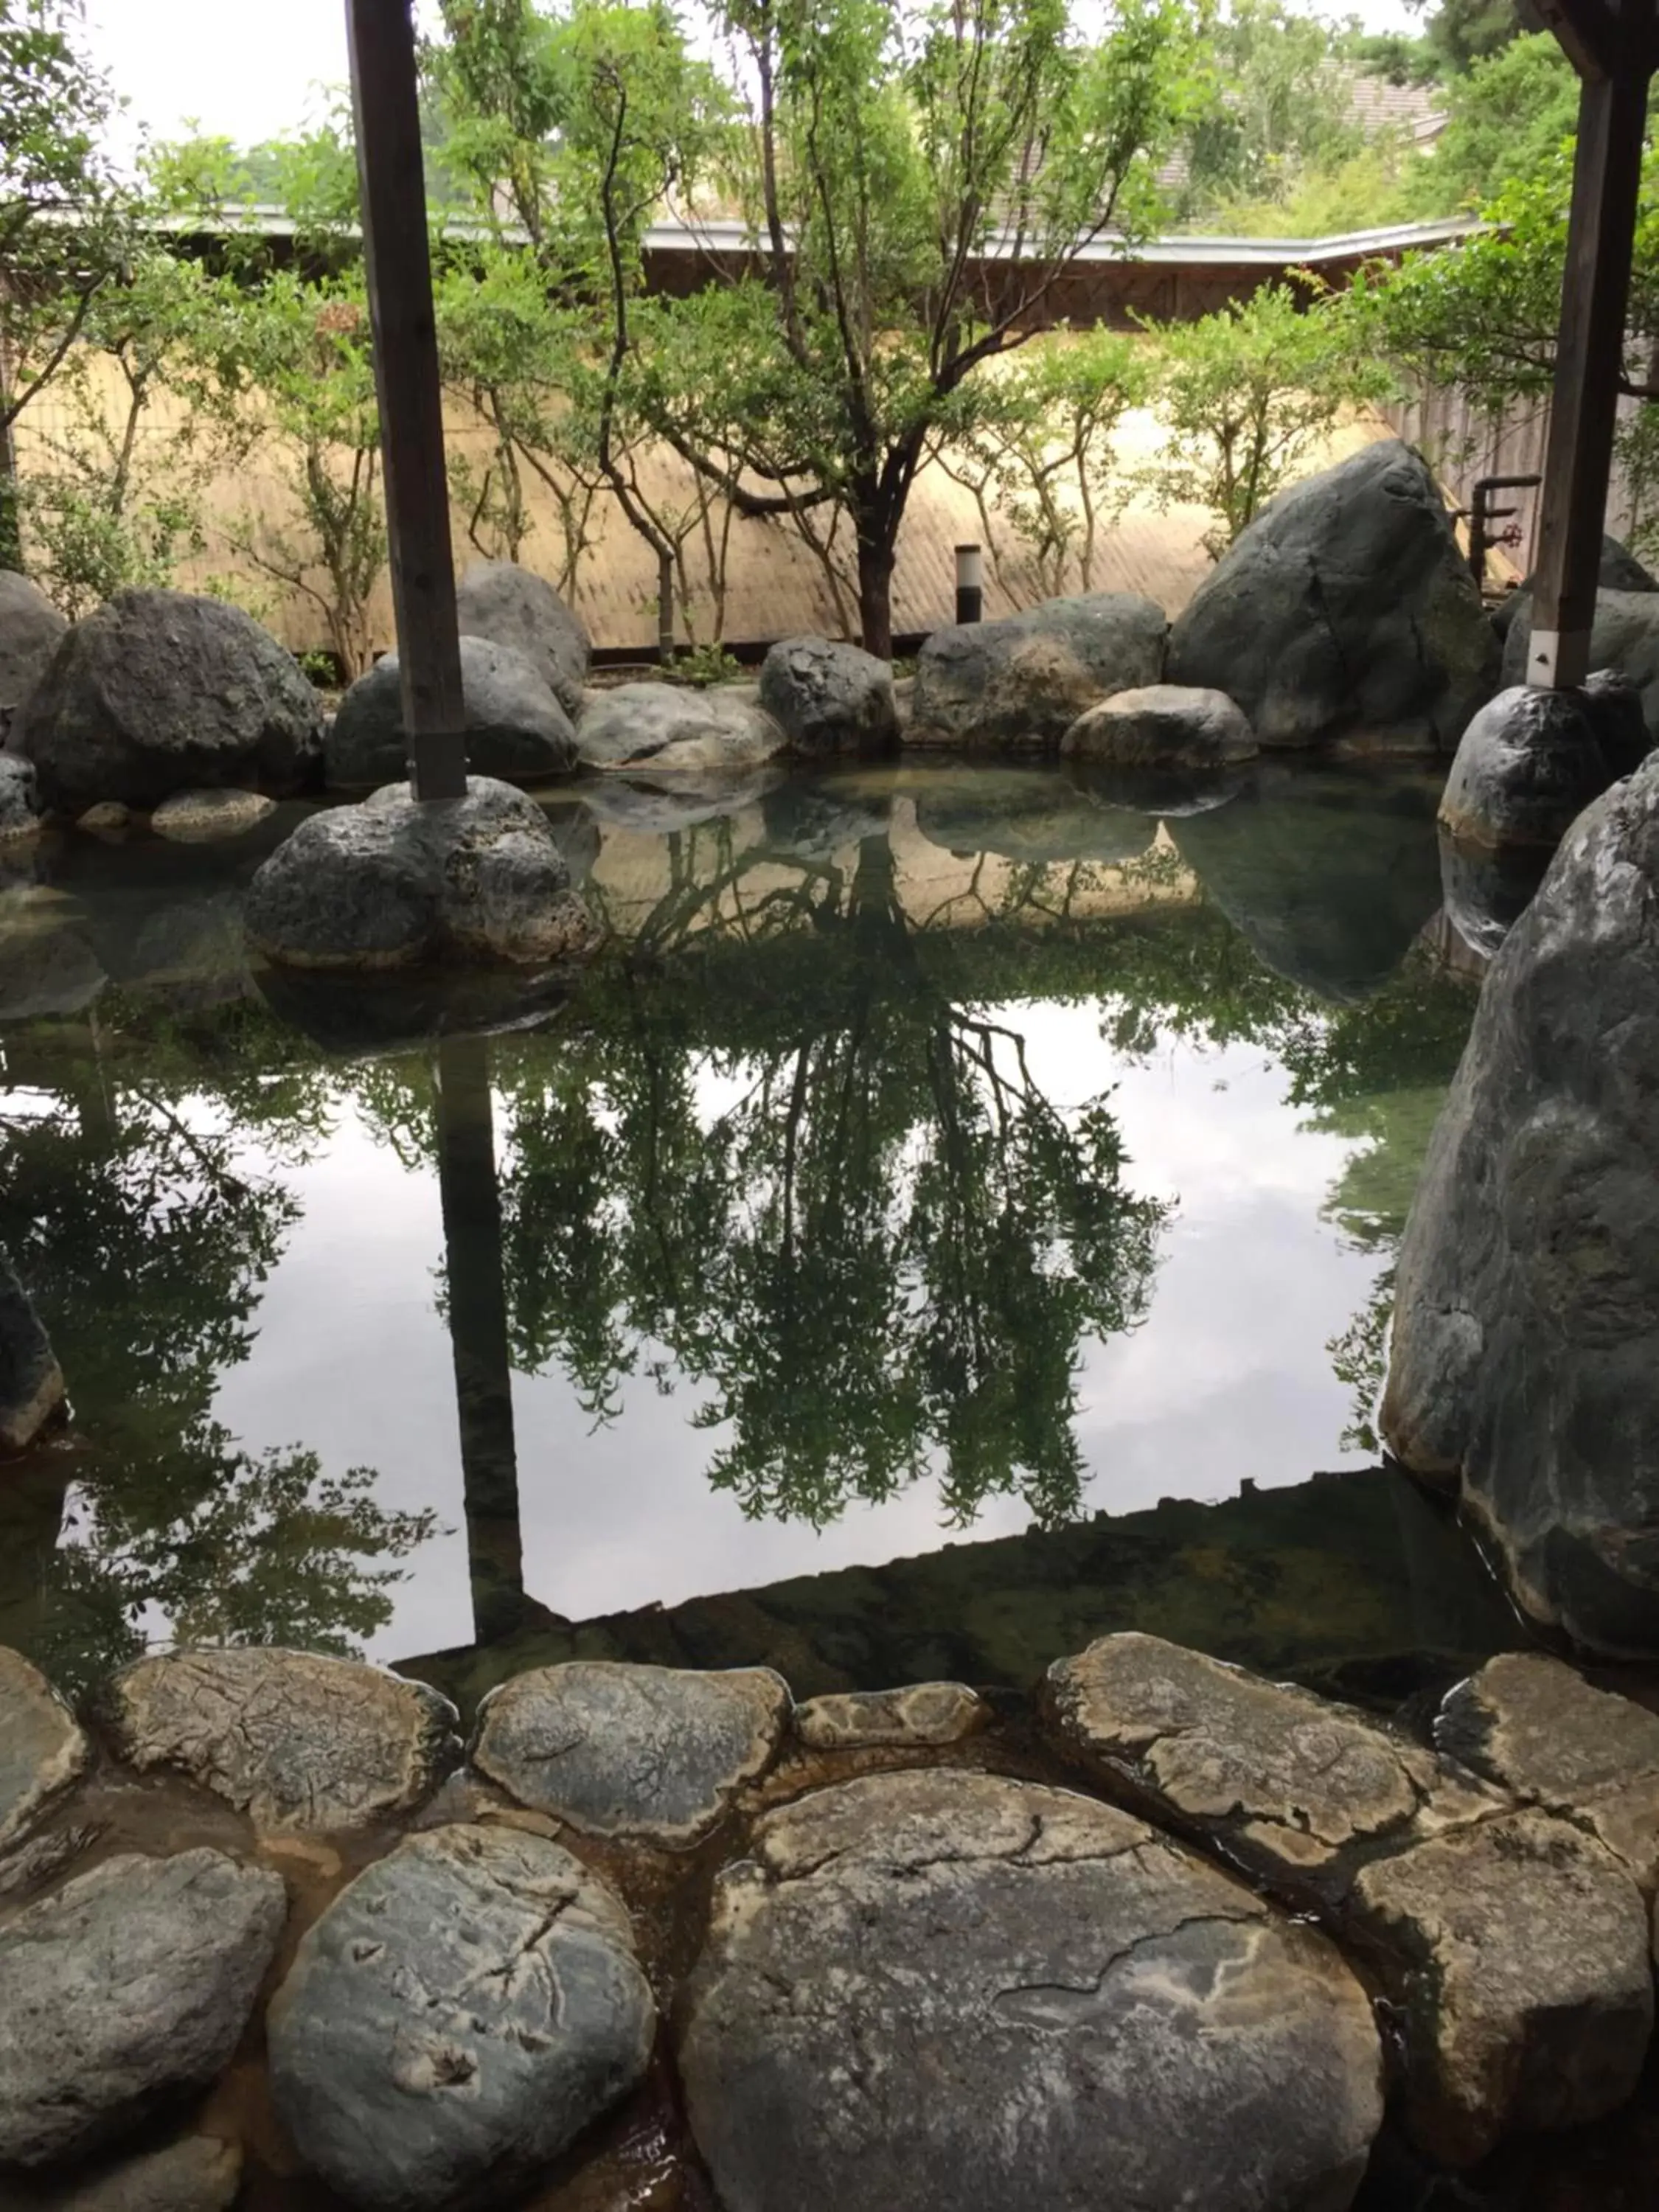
(392,186)
(477,1334)
(1613,55)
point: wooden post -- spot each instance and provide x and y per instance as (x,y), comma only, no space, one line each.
(1590,352)
(392,187)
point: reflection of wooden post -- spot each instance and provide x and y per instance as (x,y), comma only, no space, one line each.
(478,1334)
(1613,54)
(393,188)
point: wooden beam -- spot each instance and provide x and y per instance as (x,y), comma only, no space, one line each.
(392,184)
(1597,41)
(1590,357)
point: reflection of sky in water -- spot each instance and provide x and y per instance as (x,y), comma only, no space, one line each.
(1229,1376)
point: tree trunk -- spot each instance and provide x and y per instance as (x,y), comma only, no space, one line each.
(876,590)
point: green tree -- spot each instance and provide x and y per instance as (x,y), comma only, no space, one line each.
(1245,395)
(1507,118)
(1277,103)
(875,153)
(66,217)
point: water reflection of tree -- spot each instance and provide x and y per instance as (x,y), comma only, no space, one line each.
(830,1193)
(128,1200)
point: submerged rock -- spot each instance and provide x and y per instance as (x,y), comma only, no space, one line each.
(31,629)
(42,1749)
(1525,1352)
(1019,684)
(19,799)
(397,881)
(939,1988)
(516,727)
(1328,875)
(512,606)
(1486,889)
(652,1752)
(1163,726)
(926,1713)
(672,729)
(455,2018)
(1540,1731)
(198,2174)
(1345,610)
(125,1992)
(159,692)
(300,1742)
(829,698)
(201,817)
(31,1381)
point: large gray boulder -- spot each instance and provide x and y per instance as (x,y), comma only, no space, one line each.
(159,692)
(674,729)
(516,727)
(1620,571)
(657,1753)
(42,1749)
(1019,684)
(394,882)
(458,2015)
(939,1988)
(1624,637)
(300,1742)
(200,2173)
(1163,726)
(512,606)
(30,628)
(31,1381)
(1345,610)
(1525,768)
(829,697)
(1525,1357)
(125,1992)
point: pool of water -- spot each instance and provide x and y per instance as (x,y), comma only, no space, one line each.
(944,1156)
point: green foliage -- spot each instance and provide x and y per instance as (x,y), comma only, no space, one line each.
(1507,118)
(1245,394)
(1460,32)
(1276,104)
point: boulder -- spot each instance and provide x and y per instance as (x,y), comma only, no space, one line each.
(1525,1348)
(109,819)
(924,1714)
(1162,725)
(1540,1731)
(198,2174)
(301,1743)
(31,1381)
(203,817)
(1027,814)
(1620,571)
(1486,889)
(393,882)
(42,1749)
(657,1754)
(672,729)
(1295,1789)
(125,1992)
(458,2015)
(30,630)
(516,728)
(159,692)
(1527,765)
(1521,1969)
(829,698)
(1328,875)
(1345,610)
(1624,637)
(20,798)
(1019,684)
(939,1988)
(512,606)
(1514,1947)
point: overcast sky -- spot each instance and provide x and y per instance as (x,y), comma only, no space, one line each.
(254,71)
